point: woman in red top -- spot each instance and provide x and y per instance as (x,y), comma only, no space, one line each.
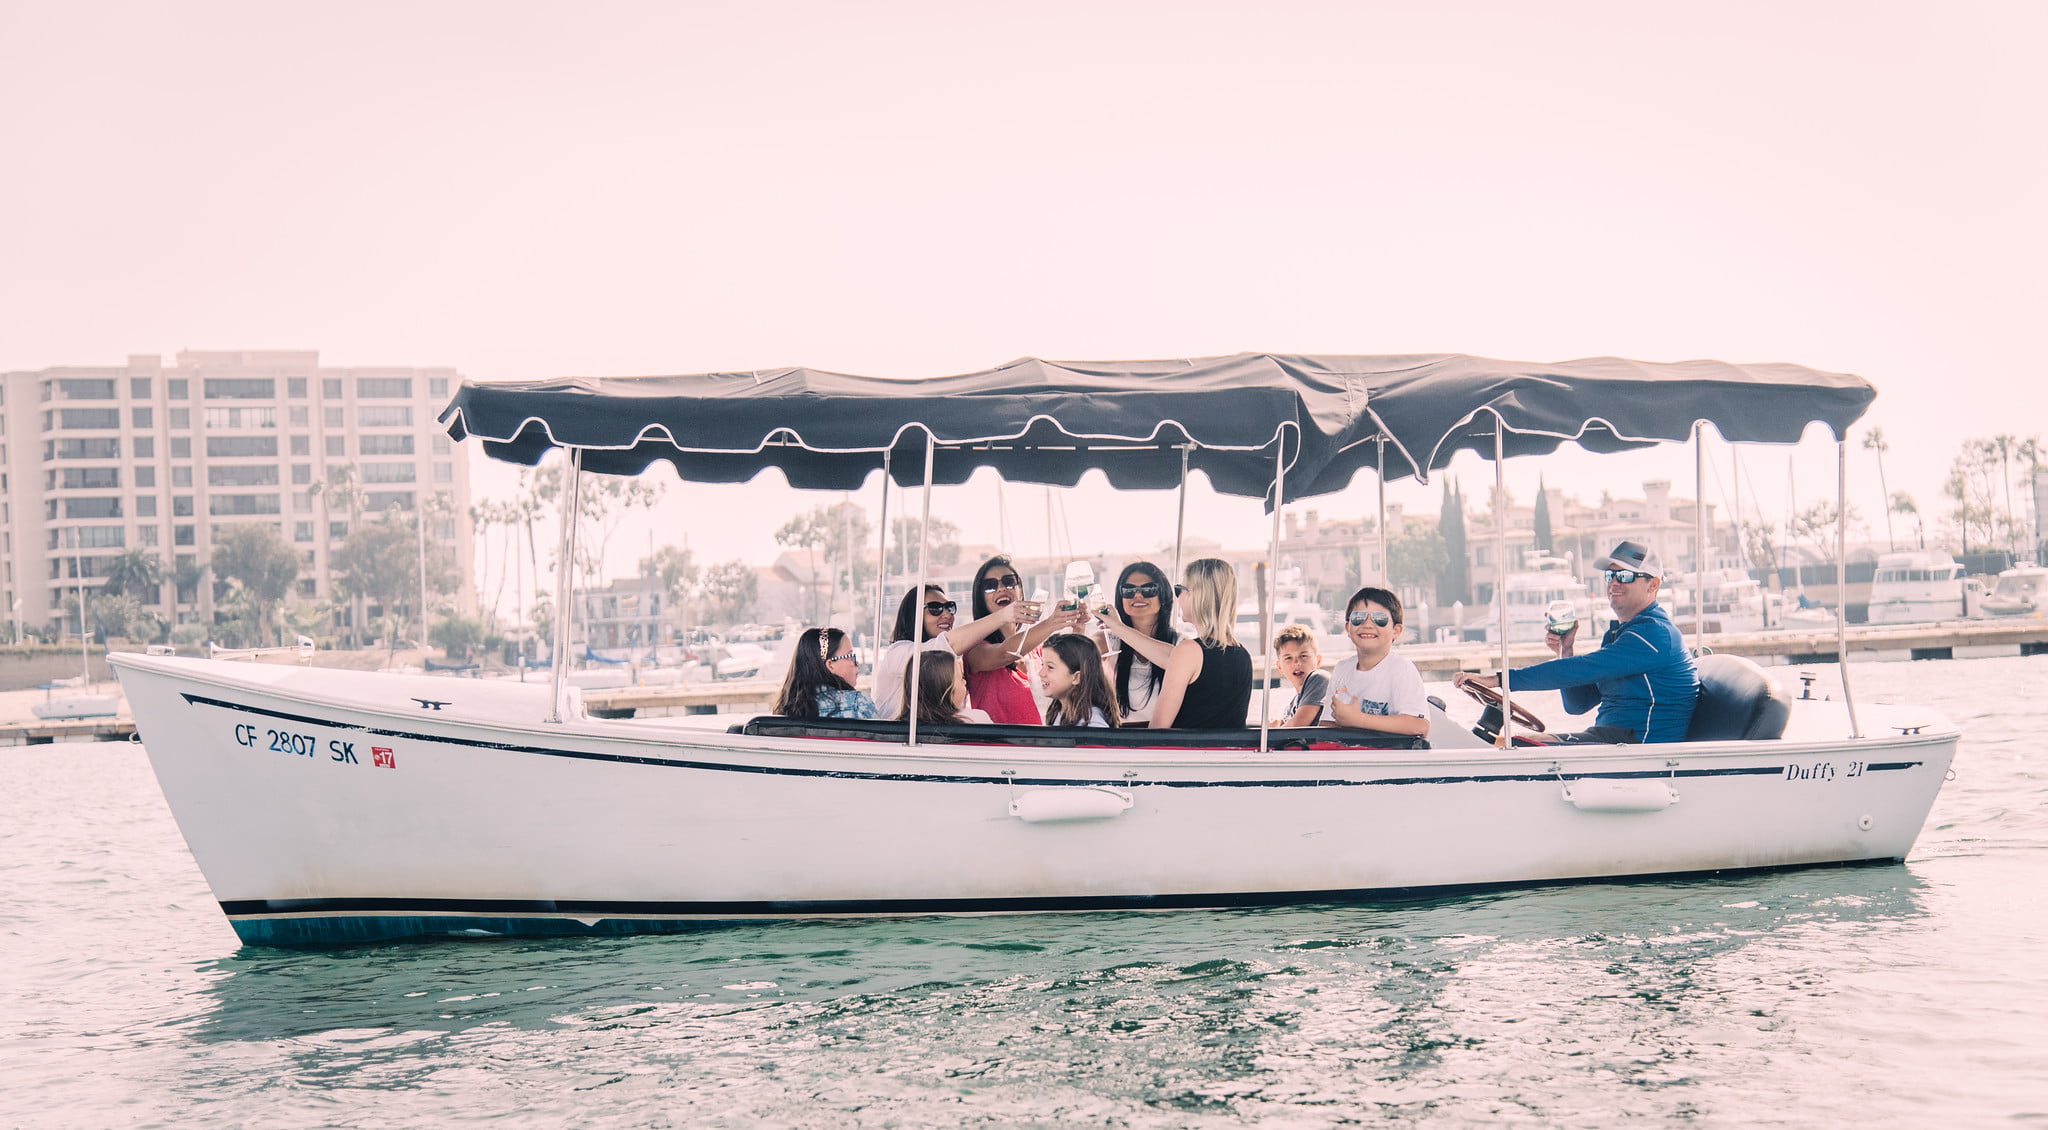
(997,680)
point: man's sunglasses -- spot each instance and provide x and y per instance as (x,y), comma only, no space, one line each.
(1149,590)
(1627,576)
(1378,619)
(940,607)
(1006,581)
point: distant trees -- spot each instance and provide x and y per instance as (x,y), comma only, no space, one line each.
(137,573)
(1873,441)
(1418,555)
(674,569)
(904,539)
(1816,527)
(379,562)
(254,566)
(1454,580)
(730,592)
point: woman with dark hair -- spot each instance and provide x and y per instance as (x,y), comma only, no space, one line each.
(939,613)
(1145,635)
(996,677)
(820,679)
(1208,682)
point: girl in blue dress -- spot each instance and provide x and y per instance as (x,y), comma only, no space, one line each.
(820,680)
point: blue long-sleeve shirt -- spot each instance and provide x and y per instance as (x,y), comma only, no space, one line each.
(1642,678)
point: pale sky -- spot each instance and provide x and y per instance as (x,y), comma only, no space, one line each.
(526,190)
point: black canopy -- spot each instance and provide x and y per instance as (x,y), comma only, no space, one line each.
(1322,417)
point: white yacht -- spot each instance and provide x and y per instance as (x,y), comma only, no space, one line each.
(1915,586)
(1530,593)
(2020,591)
(1291,605)
(1735,601)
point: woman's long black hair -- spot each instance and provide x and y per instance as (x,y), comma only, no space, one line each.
(906,612)
(980,596)
(1162,630)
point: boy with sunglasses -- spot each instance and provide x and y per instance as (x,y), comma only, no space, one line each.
(1381,691)
(1642,678)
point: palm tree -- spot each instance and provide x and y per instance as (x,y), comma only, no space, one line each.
(1873,440)
(2007,445)
(340,488)
(137,573)
(2030,450)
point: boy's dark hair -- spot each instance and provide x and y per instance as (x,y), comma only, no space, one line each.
(1379,596)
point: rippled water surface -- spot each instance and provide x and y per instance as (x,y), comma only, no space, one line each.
(1889,995)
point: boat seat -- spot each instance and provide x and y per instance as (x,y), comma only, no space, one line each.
(1304,737)
(1737,702)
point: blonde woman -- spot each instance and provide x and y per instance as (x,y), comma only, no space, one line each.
(1208,683)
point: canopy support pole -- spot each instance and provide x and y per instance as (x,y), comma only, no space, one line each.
(1180,520)
(1386,567)
(1699,560)
(565,579)
(882,565)
(1842,579)
(1272,593)
(1506,737)
(915,675)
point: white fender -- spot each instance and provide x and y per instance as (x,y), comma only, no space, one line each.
(1085,802)
(1604,794)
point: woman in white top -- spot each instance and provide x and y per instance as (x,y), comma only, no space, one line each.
(939,614)
(1144,631)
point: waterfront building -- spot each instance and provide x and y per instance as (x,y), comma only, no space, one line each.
(96,461)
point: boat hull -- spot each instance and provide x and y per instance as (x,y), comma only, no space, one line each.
(329,806)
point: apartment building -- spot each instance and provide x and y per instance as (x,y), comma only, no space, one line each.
(99,460)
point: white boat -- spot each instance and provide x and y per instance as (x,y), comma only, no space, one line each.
(2020,591)
(1916,586)
(327,806)
(1531,590)
(1734,601)
(76,704)
(1291,605)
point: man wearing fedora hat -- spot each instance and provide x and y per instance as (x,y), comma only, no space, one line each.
(1642,678)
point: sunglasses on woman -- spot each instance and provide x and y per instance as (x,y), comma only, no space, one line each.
(940,607)
(841,657)
(1006,581)
(1627,576)
(1149,590)
(1360,617)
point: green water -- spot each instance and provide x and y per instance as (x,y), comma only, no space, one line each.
(1903,995)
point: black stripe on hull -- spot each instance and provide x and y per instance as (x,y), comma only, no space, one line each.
(341,921)
(945,778)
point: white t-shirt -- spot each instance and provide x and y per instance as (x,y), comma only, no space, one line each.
(889,674)
(1139,708)
(1393,687)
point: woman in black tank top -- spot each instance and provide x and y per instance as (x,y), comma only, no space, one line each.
(1208,682)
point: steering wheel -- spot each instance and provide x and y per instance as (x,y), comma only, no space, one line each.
(1491,696)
